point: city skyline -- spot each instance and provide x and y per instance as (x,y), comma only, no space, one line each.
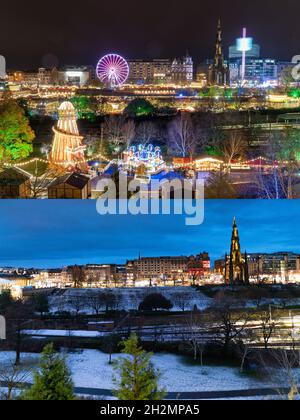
(78,235)
(148,33)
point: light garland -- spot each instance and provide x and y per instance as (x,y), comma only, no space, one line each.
(65,163)
(107,160)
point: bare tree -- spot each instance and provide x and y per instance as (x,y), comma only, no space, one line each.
(60,302)
(285,373)
(77,303)
(230,322)
(181,299)
(268,327)
(233,147)
(129,132)
(78,276)
(194,336)
(112,301)
(39,183)
(113,129)
(96,300)
(181,135)
(146,133)
(12,377)
(280,177)
(18,315)
(246,347)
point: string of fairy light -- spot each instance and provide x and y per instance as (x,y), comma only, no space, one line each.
(46,161)
(107,160)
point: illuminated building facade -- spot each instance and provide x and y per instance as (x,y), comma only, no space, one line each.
(199,265)
(276,267)
(247,67)
(76,75)
(178,71)
(258,72)
(100,273)
(33,79)
(182,70)
(169,267)
(53,278)
(67,145)
(149,71)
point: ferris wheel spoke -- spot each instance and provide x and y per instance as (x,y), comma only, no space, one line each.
(113,69)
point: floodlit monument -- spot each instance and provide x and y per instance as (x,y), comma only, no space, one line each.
(67,145)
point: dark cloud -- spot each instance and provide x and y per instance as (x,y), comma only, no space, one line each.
(81,32)
(49,234)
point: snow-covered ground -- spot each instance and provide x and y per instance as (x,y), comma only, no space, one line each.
(90,369)
(177,374)
(129,298)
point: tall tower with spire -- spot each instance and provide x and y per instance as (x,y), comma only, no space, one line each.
(218,71)
(236,265)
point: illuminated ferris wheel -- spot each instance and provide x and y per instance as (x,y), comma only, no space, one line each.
(113,70)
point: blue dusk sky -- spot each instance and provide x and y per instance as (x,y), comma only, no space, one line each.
(56,233)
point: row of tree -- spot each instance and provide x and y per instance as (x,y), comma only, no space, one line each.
(100,300)
(183,137)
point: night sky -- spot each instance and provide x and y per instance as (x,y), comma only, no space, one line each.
(56,233)
(34,33)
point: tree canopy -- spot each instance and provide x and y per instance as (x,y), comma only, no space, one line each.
(53,381)
(137,379)
(155,301)
(139,108)
(16,135)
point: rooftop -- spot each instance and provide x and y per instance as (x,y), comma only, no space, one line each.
(74,179)
(11,176)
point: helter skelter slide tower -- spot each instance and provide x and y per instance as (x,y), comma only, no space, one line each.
(67,148)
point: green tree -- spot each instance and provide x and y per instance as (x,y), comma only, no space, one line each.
(85,107)
(218,185)
(16,135)
(5,300)
(137,379)
(41,303)
(139,108)
(53,381)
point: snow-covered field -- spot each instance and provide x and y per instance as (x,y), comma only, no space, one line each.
(129,298)
(177,375)
(90,369)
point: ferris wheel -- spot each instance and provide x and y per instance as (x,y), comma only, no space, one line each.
(112,70)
